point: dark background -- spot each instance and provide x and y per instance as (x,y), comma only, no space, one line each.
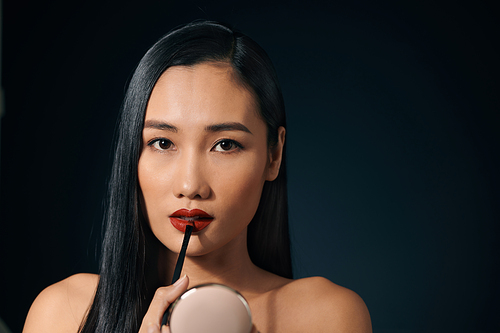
(393,112)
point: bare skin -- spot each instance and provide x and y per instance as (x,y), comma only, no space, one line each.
(184,165)
(305,305)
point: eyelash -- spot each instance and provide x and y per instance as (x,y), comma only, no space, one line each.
(152,143)
(237,145)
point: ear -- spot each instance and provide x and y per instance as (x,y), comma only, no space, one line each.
(275,156)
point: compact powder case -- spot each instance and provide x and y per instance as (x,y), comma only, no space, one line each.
(210,308)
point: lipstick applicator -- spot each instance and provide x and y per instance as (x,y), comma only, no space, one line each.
(180,263)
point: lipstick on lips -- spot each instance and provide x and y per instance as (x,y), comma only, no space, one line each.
(195,217)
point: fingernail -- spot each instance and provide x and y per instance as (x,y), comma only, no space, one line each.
(178,282)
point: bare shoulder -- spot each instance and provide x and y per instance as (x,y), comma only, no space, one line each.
(318,305)
(62,306)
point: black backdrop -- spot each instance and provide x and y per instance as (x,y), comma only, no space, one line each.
(393,144)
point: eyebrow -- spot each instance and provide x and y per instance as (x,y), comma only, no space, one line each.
(234,126)
(160,125)
(230,126)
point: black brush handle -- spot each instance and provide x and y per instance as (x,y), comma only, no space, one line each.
(179,264)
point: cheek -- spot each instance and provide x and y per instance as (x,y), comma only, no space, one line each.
(240,189)
(153,184)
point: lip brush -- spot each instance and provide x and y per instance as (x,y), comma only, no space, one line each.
(182,254)
(180,262)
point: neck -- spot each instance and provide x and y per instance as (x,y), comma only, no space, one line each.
(229,265)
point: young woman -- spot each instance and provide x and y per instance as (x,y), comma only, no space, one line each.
(201,137)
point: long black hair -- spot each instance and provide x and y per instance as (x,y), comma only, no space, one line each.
(126,278)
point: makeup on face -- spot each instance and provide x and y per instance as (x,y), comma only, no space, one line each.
(209,308)
(195,217)
(204,146)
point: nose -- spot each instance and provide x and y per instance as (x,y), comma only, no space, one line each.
(189,178)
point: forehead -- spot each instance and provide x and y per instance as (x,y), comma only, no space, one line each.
(204,92)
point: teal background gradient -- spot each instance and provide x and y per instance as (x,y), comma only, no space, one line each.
(393,132)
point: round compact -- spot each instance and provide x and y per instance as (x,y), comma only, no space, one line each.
(210,308)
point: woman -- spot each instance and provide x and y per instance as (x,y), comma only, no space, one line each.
(201,139)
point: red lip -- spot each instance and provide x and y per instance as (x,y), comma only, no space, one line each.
(195,217)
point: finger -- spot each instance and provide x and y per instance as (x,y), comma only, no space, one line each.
(163,297)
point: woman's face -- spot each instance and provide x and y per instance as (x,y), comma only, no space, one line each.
(204,147)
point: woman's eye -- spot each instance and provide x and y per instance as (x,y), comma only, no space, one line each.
(161,144)
(226,145)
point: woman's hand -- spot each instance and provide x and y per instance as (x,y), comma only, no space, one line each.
(163,297)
